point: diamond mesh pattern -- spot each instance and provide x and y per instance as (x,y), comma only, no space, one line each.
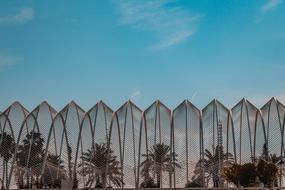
(131,148)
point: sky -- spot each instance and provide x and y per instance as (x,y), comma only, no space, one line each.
(143,50)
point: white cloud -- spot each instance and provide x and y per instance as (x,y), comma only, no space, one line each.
(135,95)
(74,20)
(24,15)
(270,5)
(172,39)
(172,24)
(7,60)
(193,96)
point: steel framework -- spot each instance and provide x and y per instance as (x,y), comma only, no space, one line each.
(127,147)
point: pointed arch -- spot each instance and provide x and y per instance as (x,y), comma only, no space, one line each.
(259,135)
(28,154)
(214,116)
(16,113)
(187,129)
(31,142)
(273,114)
(58,154)
(156,128)
(124,140)
(94,129)
(7,145)
(244,116)
(72,116)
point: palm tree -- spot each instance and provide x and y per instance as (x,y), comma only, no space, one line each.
(272,158)
(212,163)
(54,171)
(159,159)
(70,165)
(98,164)
(30,155)
(145,171)
(265,153)
(7,148)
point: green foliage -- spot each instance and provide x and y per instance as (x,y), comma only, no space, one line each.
(197,179)
(7,148)
(212,163)
(29,157)
(30,152)
(196,182)
(98,164)
(232,174)
(267,172)
(149,183)
(158,159)
(265,153)
(54,172)
(246,174)
(267,167)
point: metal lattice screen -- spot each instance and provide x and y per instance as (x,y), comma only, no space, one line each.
(187,128)
(131,148)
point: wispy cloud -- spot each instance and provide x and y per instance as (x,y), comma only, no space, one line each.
(7,60)
(171,23)
(74,20)
(270,5)
(24,15)
(193,96)
(135,95)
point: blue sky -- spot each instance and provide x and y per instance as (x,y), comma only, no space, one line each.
(117,50)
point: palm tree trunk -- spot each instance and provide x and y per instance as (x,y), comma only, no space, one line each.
(104,181)
(215,180)
(158,176)
(28,183)
(97,180)
(21,180)
(37,183)
(3,173)
(215,176)
(6,169)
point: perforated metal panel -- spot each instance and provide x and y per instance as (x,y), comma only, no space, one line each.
(157,130)
(124,141)
(7,146)
(218,138)
(244,114)
(187,129)
(131,148)
(94,131)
